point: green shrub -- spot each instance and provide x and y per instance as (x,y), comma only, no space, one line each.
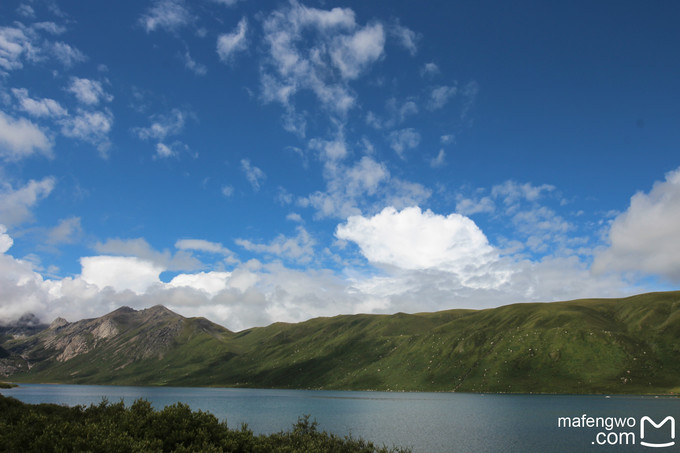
(113,428)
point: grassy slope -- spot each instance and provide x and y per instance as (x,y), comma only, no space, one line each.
(627,345)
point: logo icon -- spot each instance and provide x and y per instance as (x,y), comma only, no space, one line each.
(657,426)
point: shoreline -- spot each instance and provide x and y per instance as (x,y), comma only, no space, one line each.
(10,385)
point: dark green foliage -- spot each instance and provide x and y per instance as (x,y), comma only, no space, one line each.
(113,428)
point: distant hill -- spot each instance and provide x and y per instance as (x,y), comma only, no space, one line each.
(629,345)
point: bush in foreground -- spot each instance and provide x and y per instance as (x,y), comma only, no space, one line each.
(112,428)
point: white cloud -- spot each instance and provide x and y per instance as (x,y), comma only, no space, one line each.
(120,273)
(21,289)
(365,177)
(254,175)
(330,150)
(352,54)
(406,37)
(20,43)
(15,205)
(439,160)
(447,139)
(416,240)
(470,206)
(469,95)
(254,294)
(645,239)
(227,191)
(397,113)
(440,95)
(228,44)
(202,245)
(20,138)
(17,43)
(299,248)
(26,11)
(505,281)
(364,185)
(38,107)
(525,209)
(66,231)
(337,18)
(211,283)
(404,139)
(347,186)
(50,27)
(88,92)
(320,51)
(429,70)
(193,66)
(163,125)
(294,217)
(164,151)
(90,126)
(513,197)
(66,54)
(170,15)
(6,241)
(511,193)
(141,249)
(226,2)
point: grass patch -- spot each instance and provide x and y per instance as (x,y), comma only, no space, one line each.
(628,345)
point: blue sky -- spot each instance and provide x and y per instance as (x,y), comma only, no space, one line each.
(254,162)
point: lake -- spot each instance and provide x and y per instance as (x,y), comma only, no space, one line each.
(426,422)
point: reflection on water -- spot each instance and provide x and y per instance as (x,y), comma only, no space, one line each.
(427,422)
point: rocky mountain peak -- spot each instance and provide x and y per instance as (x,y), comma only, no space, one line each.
(57,323)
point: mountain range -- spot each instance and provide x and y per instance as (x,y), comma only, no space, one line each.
(627,345)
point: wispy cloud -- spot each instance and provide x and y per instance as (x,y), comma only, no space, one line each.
(66,231)
(164,126)
(66,54)
(341,51)
(20,44)
(91,126)
(88,92)
(16,204)
(254,175)
(141,249)
(192,65)
(365,185)
(403,140)
(439,160)
(229,44)
(20,138)
(170,15)
(38,107)
(299,248)
(430,70)
(440,95)
(203,246)
(406,37)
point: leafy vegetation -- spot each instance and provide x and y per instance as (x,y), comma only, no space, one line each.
(112,428)
(6,385)
(629,345)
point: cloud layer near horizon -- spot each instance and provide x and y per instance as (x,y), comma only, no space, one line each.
(417,261)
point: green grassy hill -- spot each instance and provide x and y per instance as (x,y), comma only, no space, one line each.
(629,345)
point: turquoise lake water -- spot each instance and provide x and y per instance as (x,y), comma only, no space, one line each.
(426,422)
